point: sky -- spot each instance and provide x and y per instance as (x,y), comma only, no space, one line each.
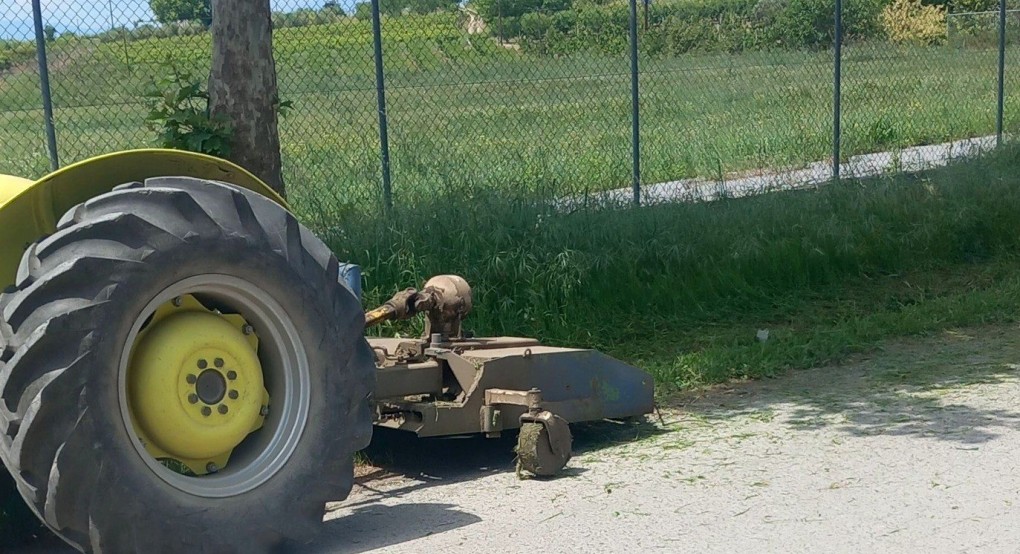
(90,16)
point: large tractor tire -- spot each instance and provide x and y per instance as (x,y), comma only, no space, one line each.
(181,370)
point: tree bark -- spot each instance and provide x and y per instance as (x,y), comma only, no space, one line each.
(242,86)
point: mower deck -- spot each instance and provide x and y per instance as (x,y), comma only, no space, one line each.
(486,385)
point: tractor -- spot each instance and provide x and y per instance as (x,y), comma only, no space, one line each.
(184,367)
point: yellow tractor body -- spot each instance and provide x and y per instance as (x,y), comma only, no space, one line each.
(31,209)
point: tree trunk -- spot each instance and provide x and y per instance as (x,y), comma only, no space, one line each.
(242,85)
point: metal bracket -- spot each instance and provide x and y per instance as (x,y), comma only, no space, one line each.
(492,421)
(530,399)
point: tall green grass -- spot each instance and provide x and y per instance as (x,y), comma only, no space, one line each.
(609,278)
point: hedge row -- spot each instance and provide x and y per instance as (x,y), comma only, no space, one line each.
(693,25)
(13,52)
(697,25)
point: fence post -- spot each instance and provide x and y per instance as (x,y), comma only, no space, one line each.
(123,36)
(1002,73)
(837,92)
(635,98)
(380,87)
(499,16)
(44,84)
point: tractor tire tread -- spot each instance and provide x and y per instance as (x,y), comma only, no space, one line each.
(48,326)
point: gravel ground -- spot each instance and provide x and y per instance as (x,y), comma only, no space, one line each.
(912,159)
(911,448)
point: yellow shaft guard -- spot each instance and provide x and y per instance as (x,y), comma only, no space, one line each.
(30,210)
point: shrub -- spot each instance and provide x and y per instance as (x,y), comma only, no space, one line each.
(163,31)
(362,12)
(565,21)
(179,112)
(685,35)
(490,10)
(692,25)
(507,27)
(910,22)
(173,29)
(299,18)
(333,7)
(604,28)
(116,34)
(535,25)
(190,28)
(169,11)
(812,23)
(965,6)
(806,23)
(145,31)
(14,52)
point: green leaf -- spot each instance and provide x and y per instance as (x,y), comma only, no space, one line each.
(178,113)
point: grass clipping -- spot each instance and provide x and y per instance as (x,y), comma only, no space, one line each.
(528,445)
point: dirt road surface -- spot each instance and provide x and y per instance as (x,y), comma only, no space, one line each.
(911,448)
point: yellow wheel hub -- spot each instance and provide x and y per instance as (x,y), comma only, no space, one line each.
(195,385)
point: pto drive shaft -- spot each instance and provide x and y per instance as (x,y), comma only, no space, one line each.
(445,300)
(403,305)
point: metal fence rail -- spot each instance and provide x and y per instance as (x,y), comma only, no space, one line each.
(618,104)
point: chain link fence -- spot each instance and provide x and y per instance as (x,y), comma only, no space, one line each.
(537,97)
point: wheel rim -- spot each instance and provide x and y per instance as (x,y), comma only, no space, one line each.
(195,385)
(175,411)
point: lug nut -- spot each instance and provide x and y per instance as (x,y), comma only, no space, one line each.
(232,394)
(247,329)
(212,467)
(177,301)
(193,398)
(264,411)
(192,379)
(202,364)
(218,362)
(231,375)
(222,409)
(206,411)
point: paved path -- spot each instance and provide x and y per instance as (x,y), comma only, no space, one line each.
(914,448)
(916,158)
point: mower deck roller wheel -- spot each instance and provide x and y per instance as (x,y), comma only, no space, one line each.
(536,452)
(68,414)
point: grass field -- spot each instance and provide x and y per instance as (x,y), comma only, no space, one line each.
(468,115)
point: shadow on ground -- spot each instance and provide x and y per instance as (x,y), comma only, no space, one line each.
(923,387)
(371,519)
(372,522)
